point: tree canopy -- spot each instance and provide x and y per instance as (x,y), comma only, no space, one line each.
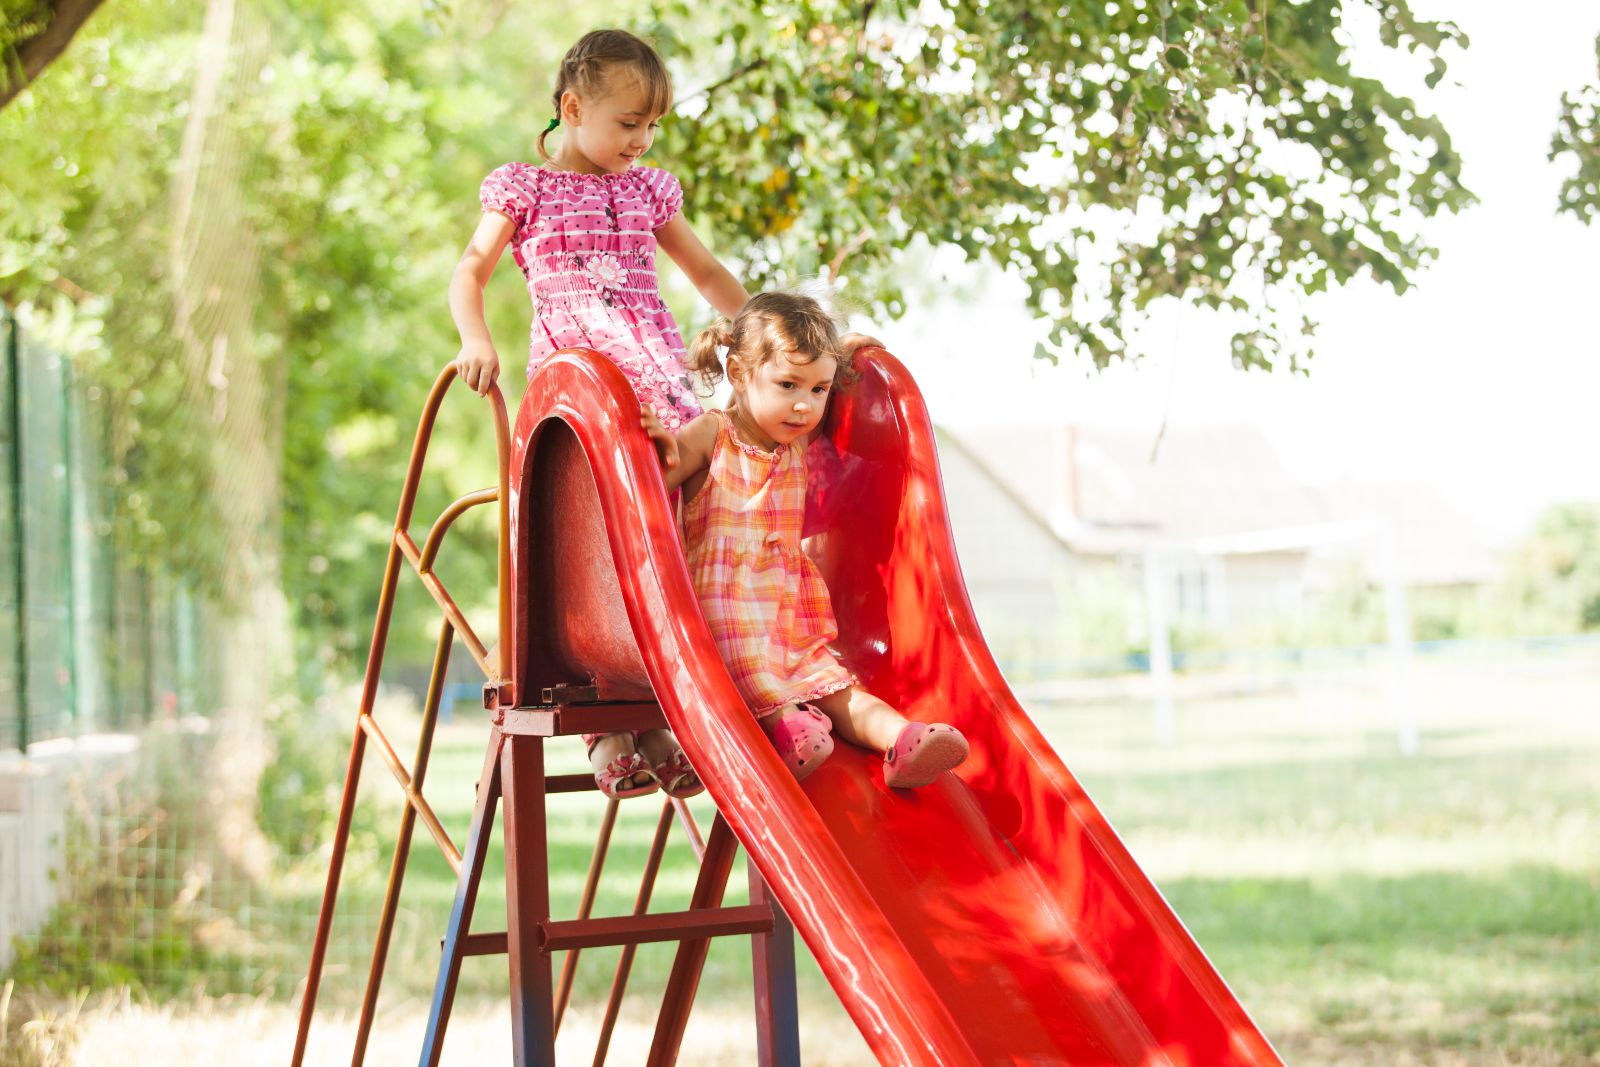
(1578,136)
(1225,153)
(358,154)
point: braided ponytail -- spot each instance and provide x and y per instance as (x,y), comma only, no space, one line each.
(544,153)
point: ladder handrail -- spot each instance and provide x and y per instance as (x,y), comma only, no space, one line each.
(408,495)
(422,561)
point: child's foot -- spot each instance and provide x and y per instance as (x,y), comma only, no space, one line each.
(921,753)
(670,766)
(803,736)
(619,770)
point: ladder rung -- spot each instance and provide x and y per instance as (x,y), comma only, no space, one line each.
(666,926)
(635,929)
(569,783)
(483,944)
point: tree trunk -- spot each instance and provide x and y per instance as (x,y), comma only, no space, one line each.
(36,53)
(215,280)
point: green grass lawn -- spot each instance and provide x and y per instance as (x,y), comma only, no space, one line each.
(1367,907)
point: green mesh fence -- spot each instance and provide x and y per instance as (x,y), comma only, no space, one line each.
(89,642)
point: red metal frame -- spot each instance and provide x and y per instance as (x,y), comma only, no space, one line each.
(514,771)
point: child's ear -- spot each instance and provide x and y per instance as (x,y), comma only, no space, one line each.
(571,108)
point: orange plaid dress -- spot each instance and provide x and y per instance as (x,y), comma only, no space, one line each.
(762,597)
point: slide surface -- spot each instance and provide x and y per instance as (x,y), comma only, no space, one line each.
(992,918)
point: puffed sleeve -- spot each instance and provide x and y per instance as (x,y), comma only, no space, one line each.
(666,197)
(509,190)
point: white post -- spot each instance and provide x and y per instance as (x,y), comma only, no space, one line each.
(1399,633)
(1156,595)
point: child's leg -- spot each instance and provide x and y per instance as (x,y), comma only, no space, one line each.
(862,719)
(915,753)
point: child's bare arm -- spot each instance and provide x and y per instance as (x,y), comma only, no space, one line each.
(720,288)
(477,362)
(852,341)
(684,454)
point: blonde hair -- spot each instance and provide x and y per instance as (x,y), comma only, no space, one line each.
(769,323)
(589,67)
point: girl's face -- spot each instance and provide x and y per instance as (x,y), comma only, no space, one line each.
(609,132)
(783,398)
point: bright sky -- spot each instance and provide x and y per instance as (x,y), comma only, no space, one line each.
(1483,381)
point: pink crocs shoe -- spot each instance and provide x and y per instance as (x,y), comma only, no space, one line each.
(922,752)
(804,738)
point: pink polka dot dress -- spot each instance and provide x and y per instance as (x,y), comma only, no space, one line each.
(586,244)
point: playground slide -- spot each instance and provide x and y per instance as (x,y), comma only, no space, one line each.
(992,918)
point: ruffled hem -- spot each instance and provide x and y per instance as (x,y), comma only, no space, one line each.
(816,692)
(578,177)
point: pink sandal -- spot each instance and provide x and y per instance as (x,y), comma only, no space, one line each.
(804,738)
(610,777)
(922,752)
(677,778)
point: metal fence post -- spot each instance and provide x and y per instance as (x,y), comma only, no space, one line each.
(18,524)
(69,497)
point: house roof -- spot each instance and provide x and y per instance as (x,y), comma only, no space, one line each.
(1113,492)
(1126,491)
(1433,542)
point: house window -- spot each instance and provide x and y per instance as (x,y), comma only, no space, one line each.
(1193,591)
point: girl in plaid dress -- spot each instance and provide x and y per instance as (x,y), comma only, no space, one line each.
(743,473)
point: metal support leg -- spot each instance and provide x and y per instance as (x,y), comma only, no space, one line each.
(691,957)
(402,845)
(527,901)
(641,904)
(444,988)
(591,887)
(777,1001)
(347,804)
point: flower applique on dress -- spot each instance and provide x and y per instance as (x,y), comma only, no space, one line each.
(608,275)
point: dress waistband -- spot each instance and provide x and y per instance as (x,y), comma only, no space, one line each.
(772,542)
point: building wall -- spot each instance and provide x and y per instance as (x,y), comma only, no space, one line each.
(36,793)
(1039,604)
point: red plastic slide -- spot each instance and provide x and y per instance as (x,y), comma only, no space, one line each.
(992,918)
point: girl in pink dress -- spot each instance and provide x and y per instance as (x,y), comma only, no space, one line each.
(584,228)
(743,473)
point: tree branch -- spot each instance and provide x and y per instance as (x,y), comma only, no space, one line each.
(861,34)
(853,245)
(37,53)
(75,292)
(732,77)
